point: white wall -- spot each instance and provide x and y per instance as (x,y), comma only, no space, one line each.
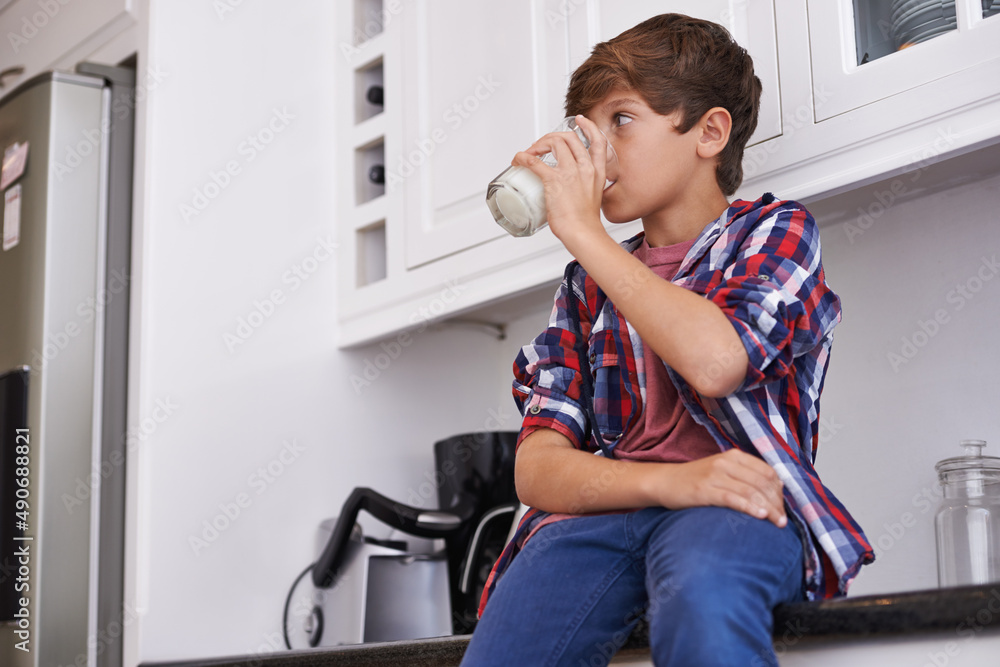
(227,409)
(889,419)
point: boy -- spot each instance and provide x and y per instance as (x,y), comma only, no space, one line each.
(706,339)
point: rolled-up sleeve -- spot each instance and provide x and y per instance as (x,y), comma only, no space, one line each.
(775,295)
(547,376)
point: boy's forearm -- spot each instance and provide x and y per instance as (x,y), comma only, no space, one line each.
(553,476)
(687,331)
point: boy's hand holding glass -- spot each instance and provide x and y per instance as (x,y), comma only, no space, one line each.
(561,176)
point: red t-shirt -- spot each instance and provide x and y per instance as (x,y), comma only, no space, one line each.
(665,431)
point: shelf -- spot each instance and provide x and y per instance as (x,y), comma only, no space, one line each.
(368,160)
(371,264)
(368,90)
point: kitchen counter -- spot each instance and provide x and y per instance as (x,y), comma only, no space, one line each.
(963,612)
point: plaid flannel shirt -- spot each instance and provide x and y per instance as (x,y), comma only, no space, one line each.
(760,263)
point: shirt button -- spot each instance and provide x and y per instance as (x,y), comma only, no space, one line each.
(535,409)
(593,358)
(764,276)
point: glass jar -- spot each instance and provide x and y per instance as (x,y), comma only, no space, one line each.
(967,525)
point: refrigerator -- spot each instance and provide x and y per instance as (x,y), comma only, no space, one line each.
(67,145)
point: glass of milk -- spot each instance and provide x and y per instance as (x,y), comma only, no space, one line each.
(516,198)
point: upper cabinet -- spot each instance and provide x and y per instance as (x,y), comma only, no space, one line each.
(480,81)
(873,88)
(854,91)
(863,51)
(71,30)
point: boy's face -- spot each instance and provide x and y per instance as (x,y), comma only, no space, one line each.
(656,163)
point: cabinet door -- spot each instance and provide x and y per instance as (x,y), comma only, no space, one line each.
(841,84)
(751,22)
(480,82)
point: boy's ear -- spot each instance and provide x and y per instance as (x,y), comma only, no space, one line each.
(715,126)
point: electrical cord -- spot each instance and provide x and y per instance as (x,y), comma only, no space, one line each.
(288,601)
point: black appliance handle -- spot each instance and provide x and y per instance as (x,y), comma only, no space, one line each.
(476,545)
(411,520)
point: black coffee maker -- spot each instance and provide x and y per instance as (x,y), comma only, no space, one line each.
(477,502)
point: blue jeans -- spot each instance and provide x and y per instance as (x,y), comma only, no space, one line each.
(706,579)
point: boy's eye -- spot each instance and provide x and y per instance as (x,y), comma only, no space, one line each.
(621,119)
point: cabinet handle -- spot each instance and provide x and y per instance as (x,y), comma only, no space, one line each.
(377,174)
(17,70)
(374,95)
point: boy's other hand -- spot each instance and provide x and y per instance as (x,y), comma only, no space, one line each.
(732,479)
(575,186)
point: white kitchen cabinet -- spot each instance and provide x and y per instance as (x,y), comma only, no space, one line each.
(42,34)
(479,83)
(837,47)
(847,124)
(467,84)
(458,101)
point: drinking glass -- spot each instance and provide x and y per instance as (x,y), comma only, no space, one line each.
(516,197)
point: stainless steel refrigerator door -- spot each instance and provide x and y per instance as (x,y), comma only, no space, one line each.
(50,285)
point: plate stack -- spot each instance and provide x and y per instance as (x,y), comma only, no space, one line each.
(915,21)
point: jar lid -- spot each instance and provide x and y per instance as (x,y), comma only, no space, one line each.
(973,459)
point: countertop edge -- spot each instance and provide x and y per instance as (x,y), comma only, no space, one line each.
(968,609)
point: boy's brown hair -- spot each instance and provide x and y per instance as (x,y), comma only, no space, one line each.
(677,63)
